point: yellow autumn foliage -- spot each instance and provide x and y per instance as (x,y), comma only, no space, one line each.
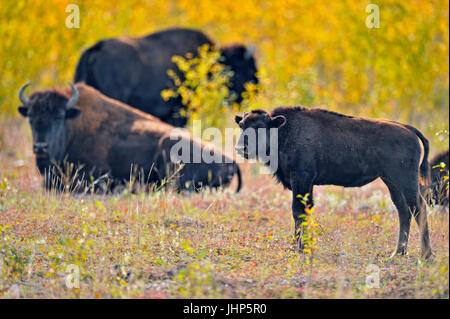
(315,53)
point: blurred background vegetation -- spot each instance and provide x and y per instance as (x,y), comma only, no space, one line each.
(315,53)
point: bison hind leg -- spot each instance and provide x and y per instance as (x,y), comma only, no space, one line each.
(417,207)
(409,203)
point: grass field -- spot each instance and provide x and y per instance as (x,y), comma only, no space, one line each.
(223,244)
(211,244)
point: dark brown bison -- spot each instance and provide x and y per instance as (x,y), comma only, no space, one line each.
(100,137)
(439,185)
(134,70)
(319,147)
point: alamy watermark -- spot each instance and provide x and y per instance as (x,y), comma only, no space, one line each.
(73,276)
(252,145)
(373,276)
(373,19)
(73,19)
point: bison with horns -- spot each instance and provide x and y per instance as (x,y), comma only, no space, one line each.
(81,137)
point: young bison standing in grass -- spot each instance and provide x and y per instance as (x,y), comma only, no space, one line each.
(319,147)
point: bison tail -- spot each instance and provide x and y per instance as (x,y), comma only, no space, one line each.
(424,166)
(239,176)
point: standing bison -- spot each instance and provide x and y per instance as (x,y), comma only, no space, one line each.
(134,70)
(101,137)
(319,147)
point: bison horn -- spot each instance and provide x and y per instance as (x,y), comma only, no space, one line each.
(245,114)
(250,51)
(74,99)
(22,96)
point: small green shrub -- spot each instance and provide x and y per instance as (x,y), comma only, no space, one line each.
(203,87)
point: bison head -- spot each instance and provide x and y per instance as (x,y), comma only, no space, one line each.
(242,62)
(257,132)
(47,112)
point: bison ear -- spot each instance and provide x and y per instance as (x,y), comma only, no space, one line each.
(238,119)
(73,113)
(277,121)
(23,110)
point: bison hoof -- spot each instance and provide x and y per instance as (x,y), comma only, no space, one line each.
(298,246)
(398,253)
(428,255)
(297,249)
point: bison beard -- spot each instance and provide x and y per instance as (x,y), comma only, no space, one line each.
(319,147)
(101,140)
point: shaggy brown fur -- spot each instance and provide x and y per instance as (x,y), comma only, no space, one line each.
(109,137)
(319,147)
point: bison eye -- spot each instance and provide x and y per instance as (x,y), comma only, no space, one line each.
(73,113)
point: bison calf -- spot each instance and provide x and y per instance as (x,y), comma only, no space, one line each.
(99,136)
(319,147)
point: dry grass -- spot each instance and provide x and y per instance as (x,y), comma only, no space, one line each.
(210,244)
(222,244)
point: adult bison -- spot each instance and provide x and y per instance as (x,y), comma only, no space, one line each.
(134,70)
(319,147)
(97,137)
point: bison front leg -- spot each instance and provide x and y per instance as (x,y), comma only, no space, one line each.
(302,197)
